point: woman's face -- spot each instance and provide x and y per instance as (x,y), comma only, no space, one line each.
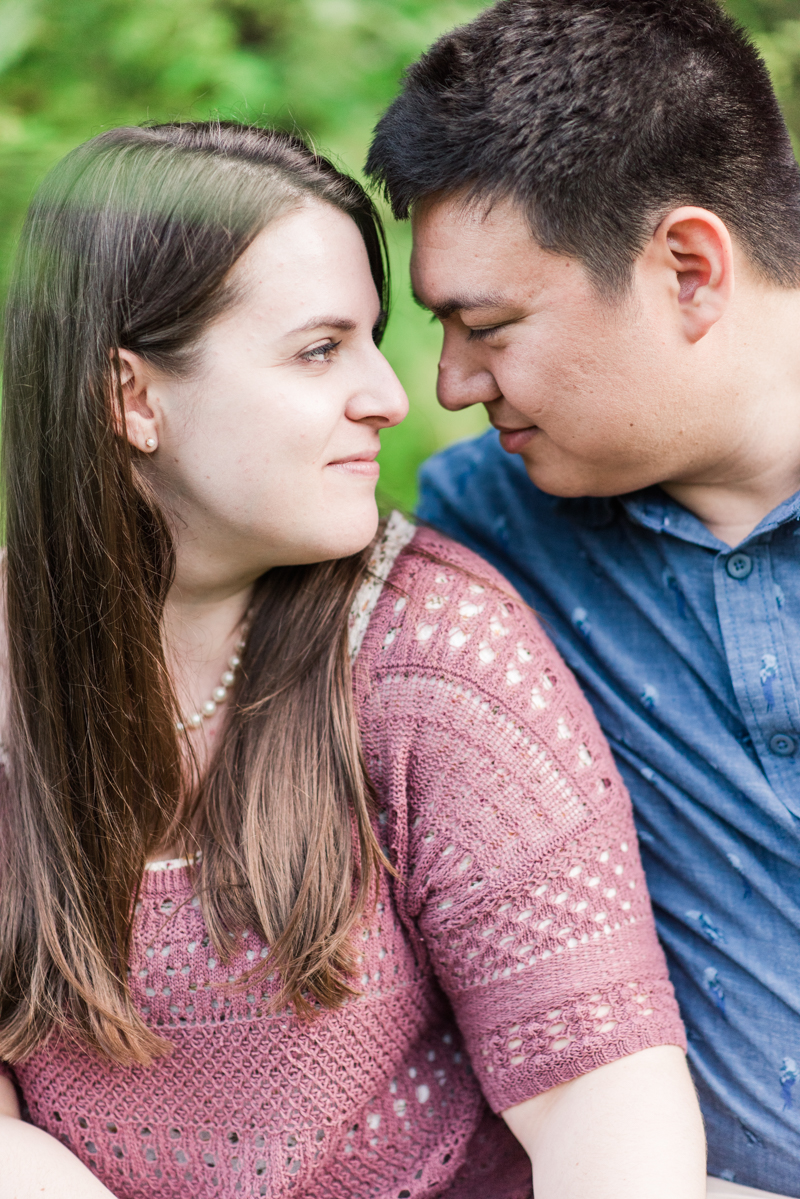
(266,454)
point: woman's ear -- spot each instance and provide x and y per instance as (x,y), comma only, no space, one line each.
(692,253)
(138,417)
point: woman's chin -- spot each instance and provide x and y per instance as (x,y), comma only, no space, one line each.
(348,529)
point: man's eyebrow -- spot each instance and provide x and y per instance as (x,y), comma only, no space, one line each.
(325,322)
(453,304)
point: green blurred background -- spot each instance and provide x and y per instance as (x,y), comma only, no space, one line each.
(71,68)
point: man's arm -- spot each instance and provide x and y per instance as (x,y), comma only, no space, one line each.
(628,1130)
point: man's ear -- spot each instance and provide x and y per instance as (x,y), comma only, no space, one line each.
(138,418)
(692,248)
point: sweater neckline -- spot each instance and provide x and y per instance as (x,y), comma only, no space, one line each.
(177,881)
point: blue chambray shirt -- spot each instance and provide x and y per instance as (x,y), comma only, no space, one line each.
(690,655)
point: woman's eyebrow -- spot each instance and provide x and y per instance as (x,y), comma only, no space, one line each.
(345,324)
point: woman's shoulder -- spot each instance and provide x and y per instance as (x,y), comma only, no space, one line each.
(434,574)
(444,609)
(416,563)
(448,631)
(429,551)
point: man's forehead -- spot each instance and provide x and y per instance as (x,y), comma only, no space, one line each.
(469,209)
(457,259)
(459,272)
(468,256)
(448,226)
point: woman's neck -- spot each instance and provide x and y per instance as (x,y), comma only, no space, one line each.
(200,638)
(200,635)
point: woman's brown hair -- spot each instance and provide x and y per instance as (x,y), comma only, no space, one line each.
(130,243)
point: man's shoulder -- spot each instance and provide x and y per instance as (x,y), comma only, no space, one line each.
(477,485)
(479,462)
(477,493)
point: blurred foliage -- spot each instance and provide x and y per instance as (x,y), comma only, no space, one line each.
(775,28)
(71,68)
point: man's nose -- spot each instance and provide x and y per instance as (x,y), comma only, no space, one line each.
(461,384)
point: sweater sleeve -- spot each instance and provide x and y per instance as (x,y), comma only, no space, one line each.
(512,832)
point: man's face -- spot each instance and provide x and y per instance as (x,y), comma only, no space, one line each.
(599,397)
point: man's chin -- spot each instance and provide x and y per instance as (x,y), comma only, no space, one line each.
(567,482)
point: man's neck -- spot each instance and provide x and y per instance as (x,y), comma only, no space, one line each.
(731,500)
(760,398)
(730,513)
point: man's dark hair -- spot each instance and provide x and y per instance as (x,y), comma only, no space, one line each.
(598,117)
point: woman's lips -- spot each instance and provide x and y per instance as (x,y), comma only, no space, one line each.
(364,468)
(513,440)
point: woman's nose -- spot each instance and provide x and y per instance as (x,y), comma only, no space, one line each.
(383,398)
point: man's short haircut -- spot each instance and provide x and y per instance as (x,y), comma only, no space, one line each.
(598,117)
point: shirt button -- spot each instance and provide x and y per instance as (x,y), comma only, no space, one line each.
(783,744)
(739,566)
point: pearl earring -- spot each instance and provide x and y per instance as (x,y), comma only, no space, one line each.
(151,443)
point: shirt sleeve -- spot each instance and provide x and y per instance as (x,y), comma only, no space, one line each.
(512,833)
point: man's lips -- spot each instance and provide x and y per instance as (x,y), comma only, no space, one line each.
(513,440)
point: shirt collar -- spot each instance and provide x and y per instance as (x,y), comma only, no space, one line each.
(653,509)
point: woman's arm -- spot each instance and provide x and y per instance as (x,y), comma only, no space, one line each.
(520,870)
(34,1164)
(628,1130)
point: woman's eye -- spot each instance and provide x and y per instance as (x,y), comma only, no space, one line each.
(320,353)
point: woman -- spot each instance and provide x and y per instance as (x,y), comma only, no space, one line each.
(303,875)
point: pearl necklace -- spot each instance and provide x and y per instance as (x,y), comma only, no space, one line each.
(219,694)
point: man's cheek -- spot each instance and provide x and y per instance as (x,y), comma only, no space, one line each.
(527,384)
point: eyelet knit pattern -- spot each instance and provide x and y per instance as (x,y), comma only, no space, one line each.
(516,949)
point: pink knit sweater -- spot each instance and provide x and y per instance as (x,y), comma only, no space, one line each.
(516,951)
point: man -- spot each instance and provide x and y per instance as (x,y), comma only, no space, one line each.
(606,217)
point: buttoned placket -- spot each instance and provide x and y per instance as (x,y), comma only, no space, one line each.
(752,627)
(754,636)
